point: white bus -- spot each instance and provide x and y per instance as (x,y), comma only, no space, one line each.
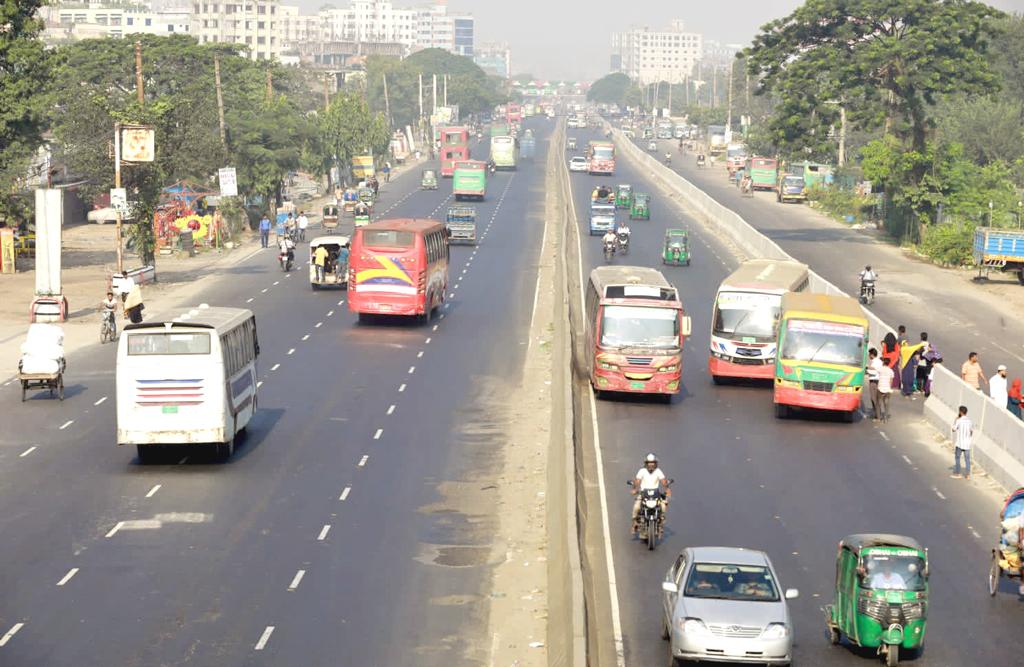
(503,152)
(189,378)
(746,314)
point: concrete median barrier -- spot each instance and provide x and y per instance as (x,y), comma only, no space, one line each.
(999,435)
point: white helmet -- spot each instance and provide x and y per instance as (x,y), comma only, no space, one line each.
(651,458)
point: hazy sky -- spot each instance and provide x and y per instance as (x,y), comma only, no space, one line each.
(570,39)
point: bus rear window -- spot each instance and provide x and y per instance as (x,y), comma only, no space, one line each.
(168,343)
(387,238)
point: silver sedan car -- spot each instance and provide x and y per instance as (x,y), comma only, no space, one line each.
(724,604)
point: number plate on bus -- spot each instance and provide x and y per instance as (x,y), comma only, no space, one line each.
(169,409)
(636,385)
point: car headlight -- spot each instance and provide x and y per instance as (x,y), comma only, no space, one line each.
(693,626)
(775,631)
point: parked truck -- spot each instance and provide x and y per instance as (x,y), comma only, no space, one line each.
(999,250)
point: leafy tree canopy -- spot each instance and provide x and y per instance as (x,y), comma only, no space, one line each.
(611,89)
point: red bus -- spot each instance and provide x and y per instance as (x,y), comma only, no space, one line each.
(514,113)
(398,267)
(601,157)
(636,327)
(454,148)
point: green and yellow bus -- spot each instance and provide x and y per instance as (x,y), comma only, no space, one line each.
(763,171)
(470,180)
(821,353)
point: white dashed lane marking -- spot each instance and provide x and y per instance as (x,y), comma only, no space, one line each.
(323,532)
(275,367)
(391,409)
(67,577)
(10,633)
(66,424)
(362,461)
(152,492)
(378,433)
(264,638)
(100,402)
(344,493)
(401,388)
(296,580)
(27,452)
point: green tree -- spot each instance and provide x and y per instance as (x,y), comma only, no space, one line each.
(24,70)
(611,89)
(887,60)
(349,128)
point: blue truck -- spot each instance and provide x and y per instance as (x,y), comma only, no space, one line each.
(527,146)
(999,250)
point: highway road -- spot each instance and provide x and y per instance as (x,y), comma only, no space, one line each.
(959,317)
(792,488)
(336,534)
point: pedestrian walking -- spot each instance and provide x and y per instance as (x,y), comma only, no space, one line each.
(387,172)
(910,358)
(997,388)
(891,355)
(923,363)
(303,223)
(885,379)
(936,360)
(971,371)
(874,364)
(264,231)
(963,431)
(1013,398)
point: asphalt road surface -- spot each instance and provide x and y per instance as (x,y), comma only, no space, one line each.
(328,538)
(792,488)
(958,316)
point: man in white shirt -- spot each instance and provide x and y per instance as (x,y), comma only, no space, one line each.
(874,363)
(303,223)
(887,580)
(649,477)
(997,386)
(886,376)
(124,284)
(963,430)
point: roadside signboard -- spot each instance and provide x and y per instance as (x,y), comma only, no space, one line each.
(137,144)
(228,182)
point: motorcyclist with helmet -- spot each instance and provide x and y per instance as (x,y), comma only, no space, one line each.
(867,283)
(649,477)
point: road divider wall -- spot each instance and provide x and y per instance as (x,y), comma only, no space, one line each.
(999,435)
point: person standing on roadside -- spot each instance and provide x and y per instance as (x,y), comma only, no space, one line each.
(1014,397)
(891,355)
(963,431)
(387,172)
(971,371)
(264,231)
(303,223)
(997,388)
(885,380)
(874,363)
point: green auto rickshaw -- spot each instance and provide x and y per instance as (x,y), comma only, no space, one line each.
(677,248)
(640,209)
(881,598)
(624,196)
(428,180)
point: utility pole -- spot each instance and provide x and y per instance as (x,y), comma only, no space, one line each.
(138,73)
(220,100)
(270,85)
(686,82)
(728,113)
(435,93)
(327,92)
(387,103)
(714,87)
(419,123)
(670,95)
(117,184)
(446,90)
(842,135)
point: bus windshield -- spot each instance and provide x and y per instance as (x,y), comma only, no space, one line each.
(604,152)
(388,238)
(639,326)
(142,344)
(825,342)
(749,314)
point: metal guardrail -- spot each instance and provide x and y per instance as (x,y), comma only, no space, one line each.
(999,435)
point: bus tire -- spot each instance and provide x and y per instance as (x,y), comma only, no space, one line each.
(145,453)
(781,411)
(718,379)
(848,416)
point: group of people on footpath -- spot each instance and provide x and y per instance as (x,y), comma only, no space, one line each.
(900,366)
(1000,388)
(292,226)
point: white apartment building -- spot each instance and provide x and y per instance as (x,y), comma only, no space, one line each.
(66,21)
(295,29)
(436,28)
(648,56)
(253,23)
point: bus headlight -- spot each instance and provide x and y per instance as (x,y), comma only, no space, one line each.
(848,389)
(605,366)
(668,369)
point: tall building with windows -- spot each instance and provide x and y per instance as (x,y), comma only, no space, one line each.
(69,21)
(254,23)
(436,28)
(648,56)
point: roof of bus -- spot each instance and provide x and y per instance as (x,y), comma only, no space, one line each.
(767,274)
(204,316)
(822,305)
(405,224)
(604,277)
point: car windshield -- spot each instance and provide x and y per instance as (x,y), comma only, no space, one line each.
(639,326)
(751,314)
(793,182)
(898,571)
(827,342)
(731,582)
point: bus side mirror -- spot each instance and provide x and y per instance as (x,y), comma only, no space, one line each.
(687,325)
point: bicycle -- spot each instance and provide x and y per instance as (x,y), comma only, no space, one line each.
(108,327)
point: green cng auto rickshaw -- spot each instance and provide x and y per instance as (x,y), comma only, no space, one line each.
(624,196)
(428,181)
(640,209)
(677,248)
(881,597)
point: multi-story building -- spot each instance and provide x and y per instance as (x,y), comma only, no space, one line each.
(494,58)
(295,29)
(438,29)
(648,56)
(253,23)
(66,21)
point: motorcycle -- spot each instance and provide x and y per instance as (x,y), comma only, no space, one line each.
(700,162)
(650,523)
(746,188)
(623,243)
(609,250)
(867,292)
(108,327)
(286,259)
(668,158)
